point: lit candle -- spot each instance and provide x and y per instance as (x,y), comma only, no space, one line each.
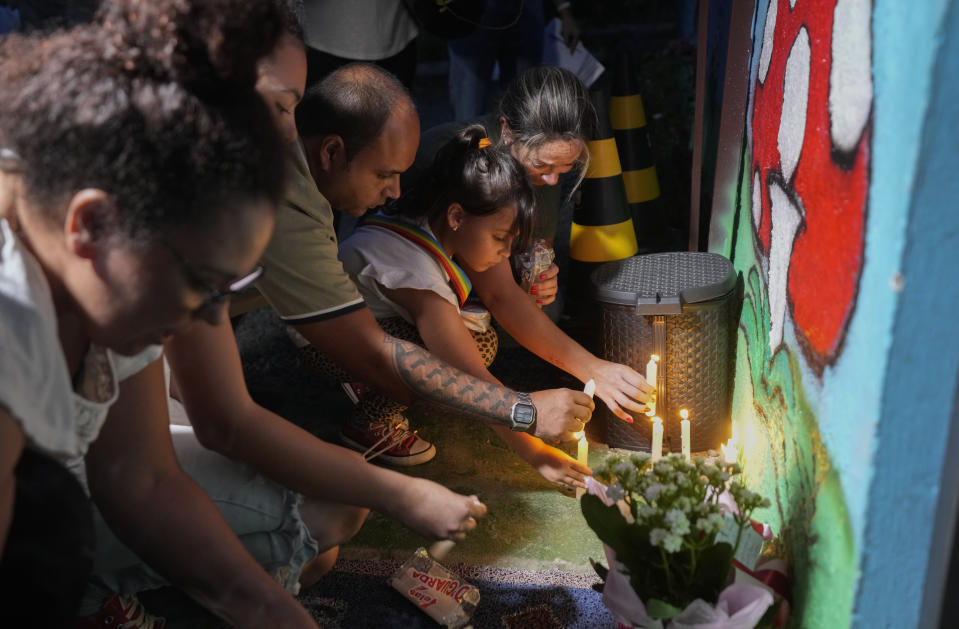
(651,373)
(651,370)
(731,447)
(657,449)
(730,453)
(685,430)
(582,447)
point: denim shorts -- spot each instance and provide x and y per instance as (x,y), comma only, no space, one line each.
(264,515)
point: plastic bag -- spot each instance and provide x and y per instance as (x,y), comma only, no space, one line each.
(534,262)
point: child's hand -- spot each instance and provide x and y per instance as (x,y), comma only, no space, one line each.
(558,467)
(435,512)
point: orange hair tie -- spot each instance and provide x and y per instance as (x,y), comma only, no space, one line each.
(484,142)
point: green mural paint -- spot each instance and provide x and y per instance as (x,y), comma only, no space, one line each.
(786,460)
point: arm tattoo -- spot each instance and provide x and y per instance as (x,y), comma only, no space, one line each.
(439,387)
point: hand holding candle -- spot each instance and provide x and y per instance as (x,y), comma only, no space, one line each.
(582,447)
(652,372)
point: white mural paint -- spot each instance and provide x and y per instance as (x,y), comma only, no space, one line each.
(786,218)
(792,126)
(850,79)
(768,31)
(757,202)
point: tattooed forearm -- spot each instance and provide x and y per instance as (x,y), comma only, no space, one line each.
(438,387)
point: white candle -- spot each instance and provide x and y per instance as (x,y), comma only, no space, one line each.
(590,387)
(582,447)
(685,433)
(657,449)
(652,370)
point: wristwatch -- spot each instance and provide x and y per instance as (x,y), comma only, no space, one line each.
(523,414)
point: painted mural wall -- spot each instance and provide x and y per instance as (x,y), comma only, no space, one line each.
(835,198)
(792,217)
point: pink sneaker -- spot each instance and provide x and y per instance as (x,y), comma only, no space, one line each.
(122,612)
(391,443)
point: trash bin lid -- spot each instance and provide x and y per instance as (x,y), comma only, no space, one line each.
(660,283)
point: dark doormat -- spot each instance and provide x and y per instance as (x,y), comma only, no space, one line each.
(357,593)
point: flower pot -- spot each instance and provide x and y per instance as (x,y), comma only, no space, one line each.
(739,606)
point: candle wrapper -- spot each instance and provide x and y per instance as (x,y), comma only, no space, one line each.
(530,264)
(446,598)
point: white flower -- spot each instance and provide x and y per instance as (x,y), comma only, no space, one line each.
(646,512)
(653,491)
(678,523)
(663,467)
(710,524)
(672,543)
(656,536)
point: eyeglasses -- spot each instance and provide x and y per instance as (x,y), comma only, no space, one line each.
(214,297)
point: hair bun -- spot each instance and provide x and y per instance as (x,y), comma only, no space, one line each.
(473,135)
(211,43)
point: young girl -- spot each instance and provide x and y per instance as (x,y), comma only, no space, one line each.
(140,173)
(475,206)
(545,119)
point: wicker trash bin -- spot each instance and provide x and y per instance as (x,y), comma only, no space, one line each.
(680,306)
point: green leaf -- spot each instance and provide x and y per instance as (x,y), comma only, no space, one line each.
(712,571)
(606,522)
(656,608)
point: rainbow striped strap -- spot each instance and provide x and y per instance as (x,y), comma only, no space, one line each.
(458,281)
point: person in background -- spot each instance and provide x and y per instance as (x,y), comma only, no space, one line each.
(413,268)
(546,119)
(358,131)
(510,35)
(134,198)
(291,497)
(383,32)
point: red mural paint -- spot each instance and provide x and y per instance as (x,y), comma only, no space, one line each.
(827,185)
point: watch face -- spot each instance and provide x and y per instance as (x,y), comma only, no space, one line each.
(523,414)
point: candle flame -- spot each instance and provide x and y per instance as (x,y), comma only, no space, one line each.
(684,414)
(579,435)
(654,357)
(730,451)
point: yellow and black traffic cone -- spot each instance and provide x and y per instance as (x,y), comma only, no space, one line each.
(636,154)
(602,228)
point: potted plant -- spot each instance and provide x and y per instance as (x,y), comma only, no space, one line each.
(671,530)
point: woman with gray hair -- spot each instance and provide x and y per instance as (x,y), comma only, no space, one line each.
(546,119)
